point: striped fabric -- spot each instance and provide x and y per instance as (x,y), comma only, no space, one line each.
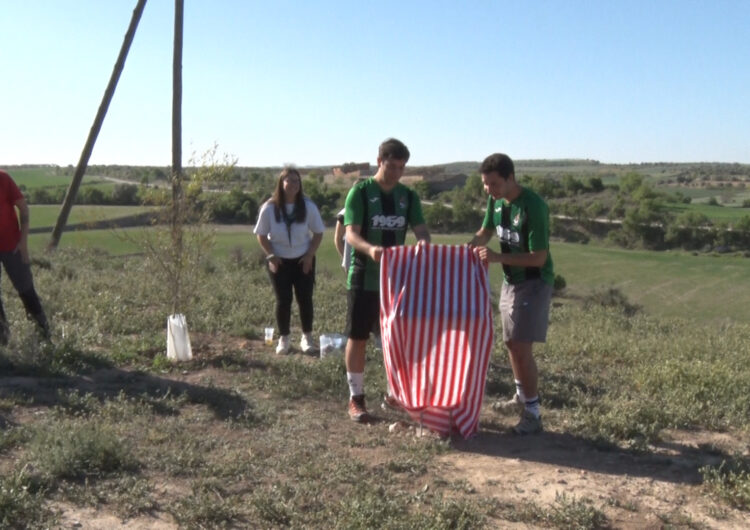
(436,322)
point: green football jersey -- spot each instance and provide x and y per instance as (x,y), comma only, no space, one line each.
(522,226)
(384,218)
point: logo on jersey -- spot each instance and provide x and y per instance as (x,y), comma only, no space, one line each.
(388,222)
(374,199)
(508,236)
(402,203)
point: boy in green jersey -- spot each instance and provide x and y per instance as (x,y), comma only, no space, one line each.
(520,218)
(377,214)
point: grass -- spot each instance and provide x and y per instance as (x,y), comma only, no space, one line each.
(728,214)
(246,438)
(44,177)
(730,482)
(665,284)
(45,215)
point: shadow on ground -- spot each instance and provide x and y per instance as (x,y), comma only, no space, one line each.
(47,386)
(671,462)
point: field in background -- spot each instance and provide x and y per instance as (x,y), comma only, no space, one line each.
(668,284)
(714,213)
(42,177)
(45,215)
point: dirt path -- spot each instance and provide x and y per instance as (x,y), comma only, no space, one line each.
(652,490)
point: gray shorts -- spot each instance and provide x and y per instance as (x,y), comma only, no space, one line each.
(524,309)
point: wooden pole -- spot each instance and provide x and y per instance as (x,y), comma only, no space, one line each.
(70,195)
(177,153)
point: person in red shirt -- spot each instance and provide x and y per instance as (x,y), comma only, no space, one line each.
(14,255)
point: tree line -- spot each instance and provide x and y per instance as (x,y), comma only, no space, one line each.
(631,213)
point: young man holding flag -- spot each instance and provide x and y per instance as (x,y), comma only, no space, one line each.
(520,218)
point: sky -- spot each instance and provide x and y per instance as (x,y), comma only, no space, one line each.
(323,82)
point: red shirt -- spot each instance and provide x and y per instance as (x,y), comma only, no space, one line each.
(10,232)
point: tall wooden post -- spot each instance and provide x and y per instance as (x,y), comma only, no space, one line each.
(177,153)
(70,195)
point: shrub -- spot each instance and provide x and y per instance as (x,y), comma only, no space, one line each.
(730,482)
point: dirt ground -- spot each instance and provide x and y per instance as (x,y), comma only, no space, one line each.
(656,489)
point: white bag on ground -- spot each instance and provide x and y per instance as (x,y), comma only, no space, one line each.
(178,340)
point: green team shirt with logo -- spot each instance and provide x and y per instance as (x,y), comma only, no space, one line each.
(522,226)
(384,218)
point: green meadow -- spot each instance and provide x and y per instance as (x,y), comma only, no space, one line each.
(714,213)
(670,284)
(43,177)
(45,215)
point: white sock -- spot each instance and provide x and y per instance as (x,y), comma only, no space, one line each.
(356,383)
(532,406)
(519,391)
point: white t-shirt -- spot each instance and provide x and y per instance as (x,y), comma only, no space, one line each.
(294,242)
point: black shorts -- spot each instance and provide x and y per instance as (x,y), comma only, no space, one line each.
(362,313)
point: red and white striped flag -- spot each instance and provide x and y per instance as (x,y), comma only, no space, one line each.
(437,331)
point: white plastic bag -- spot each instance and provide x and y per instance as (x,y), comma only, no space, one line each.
(332,344)
(178,340)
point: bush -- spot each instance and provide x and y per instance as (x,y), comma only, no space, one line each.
(611,298)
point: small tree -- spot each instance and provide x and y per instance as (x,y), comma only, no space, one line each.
(177,268)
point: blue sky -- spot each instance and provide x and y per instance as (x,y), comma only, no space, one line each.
(324,82)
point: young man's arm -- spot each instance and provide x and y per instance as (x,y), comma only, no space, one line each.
(338,237)
(481,238)
(23,219)
(354,238)
(535,258)
(422,233)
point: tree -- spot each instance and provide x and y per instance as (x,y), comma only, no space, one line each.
(630,182)
(689,231)
(474,189)
(595,184)
(438,217)
(125,194)
(465,216)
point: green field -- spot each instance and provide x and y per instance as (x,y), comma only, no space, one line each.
(43,177)
(669,284)
(45,215)
(665,284)
(714,213)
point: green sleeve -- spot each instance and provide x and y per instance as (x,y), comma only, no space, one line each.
(354,210)
(488,214)
(538,226)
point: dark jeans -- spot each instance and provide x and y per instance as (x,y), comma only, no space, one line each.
(288,277)
(20,276)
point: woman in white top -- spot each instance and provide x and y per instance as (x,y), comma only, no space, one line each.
(290,230)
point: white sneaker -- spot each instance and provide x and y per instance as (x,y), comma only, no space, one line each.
(283,346)
(306,343)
